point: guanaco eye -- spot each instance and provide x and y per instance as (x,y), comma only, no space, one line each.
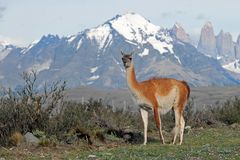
(130,59)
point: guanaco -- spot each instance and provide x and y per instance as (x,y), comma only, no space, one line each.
(160,95)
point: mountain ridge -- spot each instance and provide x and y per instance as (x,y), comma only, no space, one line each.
(92,57)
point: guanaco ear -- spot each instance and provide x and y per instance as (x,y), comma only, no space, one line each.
(122,53)
(131,53)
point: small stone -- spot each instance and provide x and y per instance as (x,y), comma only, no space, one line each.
(188,127)
(235,125)
(30,138)
(92,156)
(126,136)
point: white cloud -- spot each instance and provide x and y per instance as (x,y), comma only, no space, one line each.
(172,14)
(2,9)
(17,42)
(201,16)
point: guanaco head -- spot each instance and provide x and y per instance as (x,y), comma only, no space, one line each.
(127,59)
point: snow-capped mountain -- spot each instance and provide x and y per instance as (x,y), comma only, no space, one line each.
(92,57)
(233,66)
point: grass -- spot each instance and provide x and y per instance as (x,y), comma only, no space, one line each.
(210,143)
(214,143)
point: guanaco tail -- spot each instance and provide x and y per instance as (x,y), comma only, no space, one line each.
(160,95)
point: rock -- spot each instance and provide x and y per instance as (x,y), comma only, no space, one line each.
(179,33)
(235,125)
(127,137)
(207,42)
(92,156)
(30,138)
(201,128)
(188,127)
(225,46)
(237,48)
(237,51)
(238,40)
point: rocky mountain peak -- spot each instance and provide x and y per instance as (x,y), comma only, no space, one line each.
(225,46)
(207,42)
(5,49)
(49,38)
(208,24)
(4,43)
(133,26)
(238,40)
(179,33)
(237,48)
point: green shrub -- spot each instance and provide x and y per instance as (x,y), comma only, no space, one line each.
(229,113)
(222,113)
(48,115)
(26,110)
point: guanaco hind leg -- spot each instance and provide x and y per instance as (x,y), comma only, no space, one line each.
(144,115)
(181,129)
(179,126)
(158,122)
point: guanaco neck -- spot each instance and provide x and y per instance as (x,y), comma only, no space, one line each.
(131,78)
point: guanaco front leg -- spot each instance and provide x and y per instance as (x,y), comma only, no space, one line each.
(158,122)
(144,115)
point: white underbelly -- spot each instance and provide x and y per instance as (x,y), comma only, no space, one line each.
(166,103)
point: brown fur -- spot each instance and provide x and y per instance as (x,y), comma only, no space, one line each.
(162,86)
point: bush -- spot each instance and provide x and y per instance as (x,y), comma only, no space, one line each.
(47,115)
(26,110)
(92,118)
(16,139)
(225,113)
(229,113)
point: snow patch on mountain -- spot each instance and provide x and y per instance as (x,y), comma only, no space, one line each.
(4,53)
(178,59)
(144,53)
(5,49)
(219,57)
(3,44)
(94,77)
(71,38)
(161,46)
(94,69)
(132,26)
(25,50)
(233,66)
(79,44)
(131,42)
(101,35)
(41,66)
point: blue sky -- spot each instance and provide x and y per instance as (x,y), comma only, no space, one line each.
(23,21)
